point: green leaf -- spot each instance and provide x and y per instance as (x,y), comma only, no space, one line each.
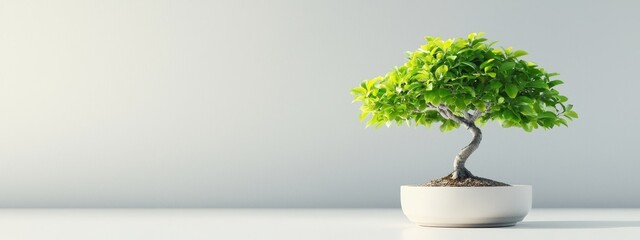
(469,90)
(358,91)
(510,116)
(548,122)
(428,86)
(447,44)
(372,121)
(507,124)
(511,90)
(569,107)
(519,53)
(562,99)
(507,50)
(524,99)
(479,40)
(485,63)
(538,84)
(441,71)
(528,128)
(492,74)
(363,115)
(460,104)
(494,85)
(547,114)
(429,96)
(555,83)
(561,121)
(527,110)
(552,74)
(571,113)
(480,105)
(507,66)
(448,125)
(372,82)
(443,92)
(470,64)
(444,127)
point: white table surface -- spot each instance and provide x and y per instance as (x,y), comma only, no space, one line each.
(301,224)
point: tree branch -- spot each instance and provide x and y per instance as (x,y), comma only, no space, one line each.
(467,115)
(469,118)
(446,113)
(429,107)
(477,113)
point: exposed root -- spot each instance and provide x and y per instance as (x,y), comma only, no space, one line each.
(461,173)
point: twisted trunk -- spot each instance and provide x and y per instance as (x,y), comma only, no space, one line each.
(468,120)
(459,170)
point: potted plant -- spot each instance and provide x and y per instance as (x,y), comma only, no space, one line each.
(465,82)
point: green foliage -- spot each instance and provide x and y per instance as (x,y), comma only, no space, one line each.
(465,74)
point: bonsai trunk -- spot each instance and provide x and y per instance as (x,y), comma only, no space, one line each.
(459,170)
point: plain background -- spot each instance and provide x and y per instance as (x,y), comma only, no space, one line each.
(247,104)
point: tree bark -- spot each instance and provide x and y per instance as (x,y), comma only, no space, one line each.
(468,120)
(459,170)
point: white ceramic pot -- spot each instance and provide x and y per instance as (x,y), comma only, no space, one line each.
(465,206)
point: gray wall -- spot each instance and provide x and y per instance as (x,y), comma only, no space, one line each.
(246,103)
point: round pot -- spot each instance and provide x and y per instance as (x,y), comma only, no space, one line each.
(465,206)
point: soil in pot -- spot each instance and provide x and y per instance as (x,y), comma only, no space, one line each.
(471,181)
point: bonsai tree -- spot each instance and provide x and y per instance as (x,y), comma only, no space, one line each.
(464,82)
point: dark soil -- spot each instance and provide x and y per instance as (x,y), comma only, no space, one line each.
(473,181)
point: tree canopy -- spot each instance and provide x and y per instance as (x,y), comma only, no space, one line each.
(446,81)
